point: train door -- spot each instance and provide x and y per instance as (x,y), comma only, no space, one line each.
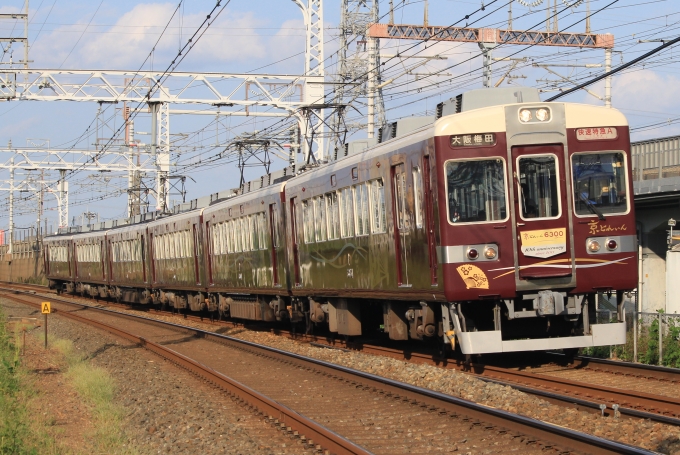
(196,252)
(274,242)
(102,259)
(142,246)
(541,209)
(429,219)
(294,240)
(401,223)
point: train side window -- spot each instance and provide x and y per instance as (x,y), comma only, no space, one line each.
(275,227)
(333,212)
(308,221)
(171,243)
(214,230)
(378,215)
(320,219)
(361,209)
(227,234)
(599,183)
(418,195)
(476,190)
(236,235)
(244,232)
(263,231)
(346,213)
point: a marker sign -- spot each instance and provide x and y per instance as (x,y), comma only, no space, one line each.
(45,306)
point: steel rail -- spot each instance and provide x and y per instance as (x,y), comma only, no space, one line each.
(539,430)
(629,402)
(314,433)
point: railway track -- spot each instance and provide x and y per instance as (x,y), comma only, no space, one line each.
(339,409)
(587,384)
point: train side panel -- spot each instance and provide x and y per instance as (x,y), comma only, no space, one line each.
(363,224)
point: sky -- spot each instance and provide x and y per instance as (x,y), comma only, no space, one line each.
(268,36)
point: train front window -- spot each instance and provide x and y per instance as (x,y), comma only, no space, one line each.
(538,191)
(599,183)
(476,190)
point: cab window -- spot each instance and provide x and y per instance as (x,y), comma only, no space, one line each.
(476,190)
(599,183)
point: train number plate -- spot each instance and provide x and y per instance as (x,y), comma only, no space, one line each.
(544,243)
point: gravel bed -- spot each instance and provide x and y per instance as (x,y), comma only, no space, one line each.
(169,410)
(654,436)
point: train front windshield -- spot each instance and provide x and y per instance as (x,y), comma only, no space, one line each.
(599,183)
(476,190)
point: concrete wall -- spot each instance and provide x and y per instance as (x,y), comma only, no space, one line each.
(24,265)
(652,225)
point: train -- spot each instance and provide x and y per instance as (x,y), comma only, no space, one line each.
(489,227)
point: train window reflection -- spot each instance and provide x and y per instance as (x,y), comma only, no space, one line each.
(538,192)
(476,190)
(599,183)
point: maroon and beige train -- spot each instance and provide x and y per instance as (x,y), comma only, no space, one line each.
(493,226)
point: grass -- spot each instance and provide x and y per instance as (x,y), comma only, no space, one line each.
(97,388)
(647,344)
(18,435)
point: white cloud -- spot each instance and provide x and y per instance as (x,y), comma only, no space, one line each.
(234,38)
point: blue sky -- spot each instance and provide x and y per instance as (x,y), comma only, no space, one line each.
(268,36)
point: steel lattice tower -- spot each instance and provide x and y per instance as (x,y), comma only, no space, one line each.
(359,71)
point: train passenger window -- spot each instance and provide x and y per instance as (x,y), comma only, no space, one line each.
(263,231)
(538,187)
(418,195)
(237,235)
(320,219)
(227,235)
(308,221)
(254,234)
(346,213)
(214,229)
(599,183)
(333,216)
(361,209)
(275,226)
(171,243)
(476,190)
(378,216)
(400,195)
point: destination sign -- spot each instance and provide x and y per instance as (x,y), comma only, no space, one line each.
(594,134)
(473,140)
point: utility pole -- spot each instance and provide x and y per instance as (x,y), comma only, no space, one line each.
(11,202)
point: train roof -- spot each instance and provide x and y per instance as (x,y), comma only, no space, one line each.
(462,114)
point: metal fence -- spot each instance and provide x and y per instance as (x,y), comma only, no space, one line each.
(656,158)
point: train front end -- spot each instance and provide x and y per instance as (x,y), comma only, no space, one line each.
(536,219)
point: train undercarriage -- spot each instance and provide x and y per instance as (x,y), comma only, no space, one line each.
(546,320)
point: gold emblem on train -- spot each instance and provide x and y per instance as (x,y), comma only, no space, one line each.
(473,277)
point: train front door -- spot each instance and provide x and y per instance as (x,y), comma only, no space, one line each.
(542,212)
(401,223)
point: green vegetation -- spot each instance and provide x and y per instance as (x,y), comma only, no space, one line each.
(648,344)
(17,436)
(97,388)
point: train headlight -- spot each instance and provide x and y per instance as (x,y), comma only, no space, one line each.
(543,115)
(472,254)
(525,115)
(490,253)
(593,246)
(612,244)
